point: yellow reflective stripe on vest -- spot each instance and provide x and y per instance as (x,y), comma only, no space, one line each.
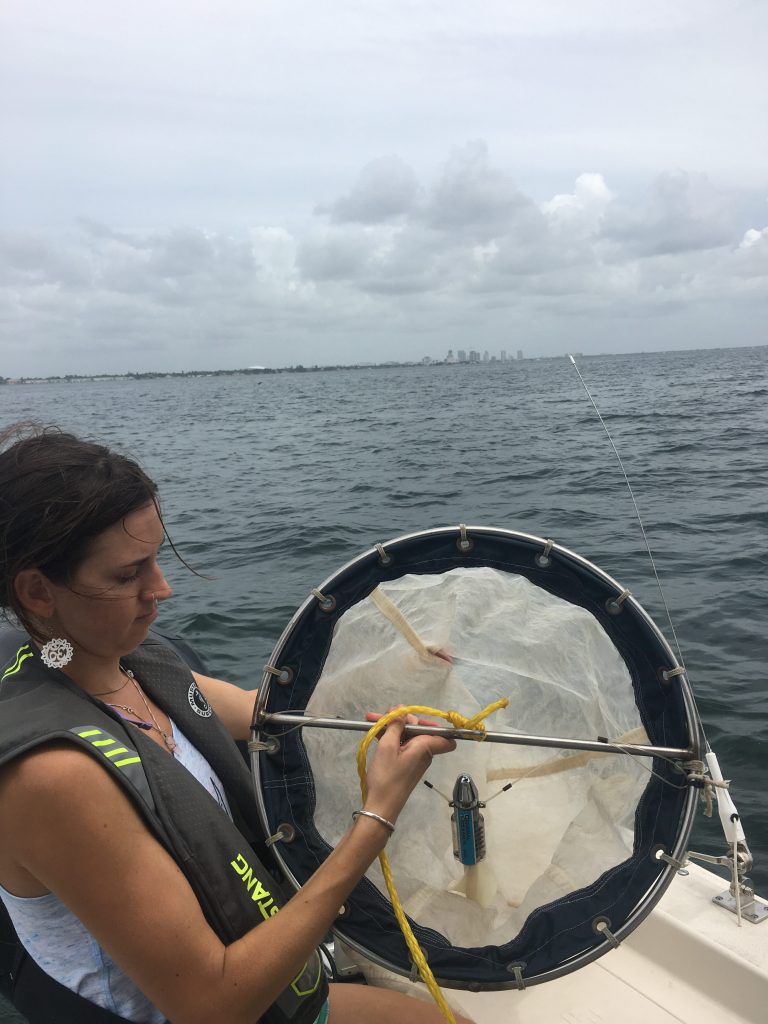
(133,759)
(114,747)
(21,656)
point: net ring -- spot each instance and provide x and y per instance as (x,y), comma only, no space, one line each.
(362,650)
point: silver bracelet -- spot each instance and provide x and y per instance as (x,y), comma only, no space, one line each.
(376,817)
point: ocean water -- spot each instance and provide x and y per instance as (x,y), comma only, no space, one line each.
(270,483)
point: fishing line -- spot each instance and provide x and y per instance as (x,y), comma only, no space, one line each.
(647,546)
(637,513)
(673,764)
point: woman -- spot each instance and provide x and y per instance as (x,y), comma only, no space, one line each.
(125,880)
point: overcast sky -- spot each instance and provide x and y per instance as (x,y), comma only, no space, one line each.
(193,184)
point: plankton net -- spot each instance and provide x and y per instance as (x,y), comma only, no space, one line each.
(575,823)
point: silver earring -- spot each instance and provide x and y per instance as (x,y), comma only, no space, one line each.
(57,653)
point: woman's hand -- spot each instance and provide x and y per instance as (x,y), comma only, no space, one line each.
(399,763)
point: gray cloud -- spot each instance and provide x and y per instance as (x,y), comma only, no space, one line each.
(385,189)
(473,196)
(339,254)
(475,232)
(464,252)
(680,213)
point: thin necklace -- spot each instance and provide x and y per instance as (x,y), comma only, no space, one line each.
(107,693)
(169,741)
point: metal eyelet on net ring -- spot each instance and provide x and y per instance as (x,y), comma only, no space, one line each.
(325,602)
(464,543)
(270,745)
(602,927)
(384,558)
(542,559)
(614,604)
(285,834)
(667,676)
(282,675)
(517,969)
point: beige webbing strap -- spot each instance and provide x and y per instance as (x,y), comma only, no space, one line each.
(564,764)
(390,610)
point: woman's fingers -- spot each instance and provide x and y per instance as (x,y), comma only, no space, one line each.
(431,744)
(400,761)
(394,734)
(374,716)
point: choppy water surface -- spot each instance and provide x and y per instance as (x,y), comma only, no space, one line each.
(271,483)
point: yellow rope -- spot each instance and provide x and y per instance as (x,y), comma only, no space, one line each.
(458,721)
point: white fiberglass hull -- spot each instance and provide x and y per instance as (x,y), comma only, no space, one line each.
(688,962)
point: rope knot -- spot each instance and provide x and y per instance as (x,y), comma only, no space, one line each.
(475,723)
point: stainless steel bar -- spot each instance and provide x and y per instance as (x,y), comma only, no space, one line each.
(516,739)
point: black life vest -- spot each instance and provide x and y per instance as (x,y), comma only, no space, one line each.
(222,860)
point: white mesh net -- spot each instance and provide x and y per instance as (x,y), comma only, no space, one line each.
(568,816)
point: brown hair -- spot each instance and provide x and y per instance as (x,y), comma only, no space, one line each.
(57,493)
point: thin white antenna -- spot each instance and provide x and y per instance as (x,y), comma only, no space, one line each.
(637,513)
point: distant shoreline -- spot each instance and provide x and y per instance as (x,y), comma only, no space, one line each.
(255,371)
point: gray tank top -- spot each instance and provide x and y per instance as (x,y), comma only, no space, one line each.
(66,951)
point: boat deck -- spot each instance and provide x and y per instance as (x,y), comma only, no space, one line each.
(687,963)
